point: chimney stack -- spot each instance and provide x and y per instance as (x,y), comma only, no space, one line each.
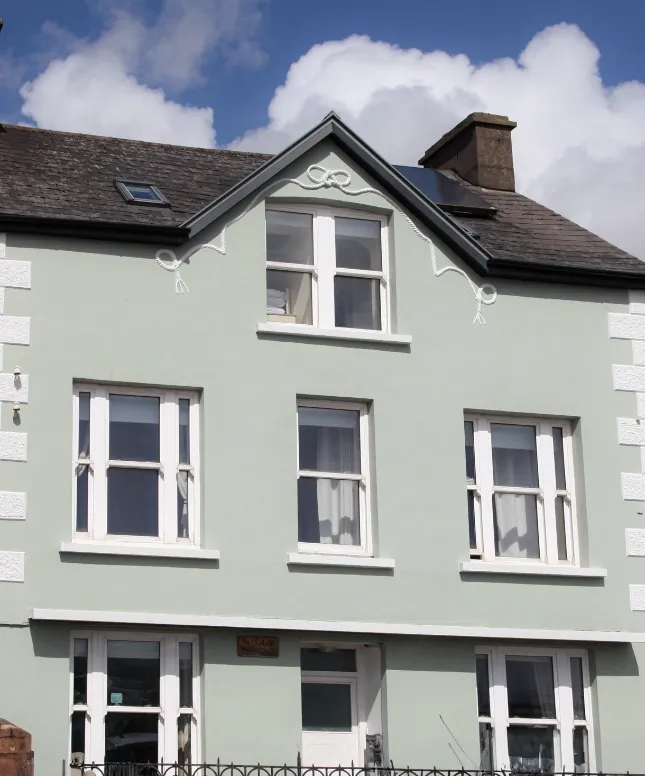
(478,149)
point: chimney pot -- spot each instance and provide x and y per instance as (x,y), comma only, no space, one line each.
(478,149)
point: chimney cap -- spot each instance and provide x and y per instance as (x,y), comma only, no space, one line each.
(474,119)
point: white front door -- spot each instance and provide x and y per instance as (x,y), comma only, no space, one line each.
(330,733)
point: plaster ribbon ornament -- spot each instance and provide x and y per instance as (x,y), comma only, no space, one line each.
(323,178)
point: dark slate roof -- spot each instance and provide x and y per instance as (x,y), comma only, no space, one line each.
(64,176)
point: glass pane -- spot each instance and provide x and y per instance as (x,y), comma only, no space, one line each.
(358,244)
(529,682)
(82,472)
(580,750)
(326,707)
(483,686)
(558,451)
(516,525)
(313,659)
(184,750)
(530,749)
(78,732)
(134,428)
(82,495)
(133,673)
(469,433)
(290,237)
(184,431)
(560,528)
(185,674)
(289,295)
(577,687)
(131,738)
(133,502)
(183,531)
(328,511)
(329,440)
(357,302)
(514,455)
(84,424)
(472,533)
(80,672)
(485,747)
(146,193)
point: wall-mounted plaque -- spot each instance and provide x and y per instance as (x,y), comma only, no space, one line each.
(258,646)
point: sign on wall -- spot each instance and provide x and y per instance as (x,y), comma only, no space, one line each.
(258,646)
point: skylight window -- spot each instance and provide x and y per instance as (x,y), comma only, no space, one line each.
(139,193)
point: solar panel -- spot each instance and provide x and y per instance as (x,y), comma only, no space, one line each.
(445,191)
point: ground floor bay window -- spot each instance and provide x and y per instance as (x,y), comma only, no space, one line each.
(534,710)
(134,698)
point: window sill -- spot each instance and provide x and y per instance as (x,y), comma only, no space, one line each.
(139,550)
(535,569)
(359,335)
(346,561)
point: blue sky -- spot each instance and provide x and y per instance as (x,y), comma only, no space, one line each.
(255,74)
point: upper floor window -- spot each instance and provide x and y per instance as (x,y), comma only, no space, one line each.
(135,464)
(519,483)
(327,268)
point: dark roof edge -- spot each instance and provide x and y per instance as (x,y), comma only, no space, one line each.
(94,230)
(604,278)
(382,171)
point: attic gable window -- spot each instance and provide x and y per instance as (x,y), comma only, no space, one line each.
(138,193)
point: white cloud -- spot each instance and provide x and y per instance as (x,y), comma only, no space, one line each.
(117,84)
(579,146)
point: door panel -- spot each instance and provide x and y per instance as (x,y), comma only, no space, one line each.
(329,721)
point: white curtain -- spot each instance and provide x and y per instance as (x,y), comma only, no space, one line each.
(338,513)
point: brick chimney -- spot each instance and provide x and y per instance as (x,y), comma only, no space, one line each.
(478,149)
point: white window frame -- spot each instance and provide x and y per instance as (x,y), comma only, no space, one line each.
(484,488)
(564,721)
(168,466)
(323,270)
(169,710)
(363,479)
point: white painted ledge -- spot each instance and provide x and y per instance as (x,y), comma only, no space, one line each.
(535,569)
(351,561)
(359,335)
(138,550)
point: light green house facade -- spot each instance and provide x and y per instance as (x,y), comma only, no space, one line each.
(376,633)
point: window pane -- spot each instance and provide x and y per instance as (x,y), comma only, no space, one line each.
(80,671)
(290,237)
(580,750)
(78,732)
(134,428)
(183,531)
(131,738)
(514,455)
(133,502)
(184,431)
(329,440)
(485,747)
(577,687)
(328,511)
(483,686)
(470,451)
(185,674)
(146,193)
(529,683)
(84,424)
(530,749)
(289,294)
(560,528)
(357,302)
(472,532)
(83,472)
(558,451)
(82,495)
(358,243)
(184,743)
(516,525)
(313,659)
(133,673)
(326,707)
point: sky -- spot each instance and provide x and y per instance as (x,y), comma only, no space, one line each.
(256,74)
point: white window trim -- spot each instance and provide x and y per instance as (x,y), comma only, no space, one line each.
(323,270)
(364,490)
(564,721)
(168,467)
(169,710)
(546,492)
